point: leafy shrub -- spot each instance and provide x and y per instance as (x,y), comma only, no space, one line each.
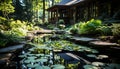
(105,30)
(61,21)
(51,26)
(116,30)
(30,27)
(61,26)
(18,28)
(74,28)
(88,27)
(3,42)
(13,30)
(18,31)
(3,24)
(17,24)
(8,39)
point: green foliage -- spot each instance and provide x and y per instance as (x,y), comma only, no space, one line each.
(8,39)
(3,42)
(116,30)
(74,28)
(18,28)
(61,26)
(51,26)
(2,19)
(14,30)
(30,27)
(17,24)
(18,31)
(2,23)
(61,21)
(66,45)
(6,7)
(88,27)
(105,30)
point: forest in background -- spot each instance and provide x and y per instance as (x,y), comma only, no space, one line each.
(17,17)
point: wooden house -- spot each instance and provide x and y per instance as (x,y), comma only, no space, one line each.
(72,11)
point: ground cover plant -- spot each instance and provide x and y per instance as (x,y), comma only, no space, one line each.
(88,27)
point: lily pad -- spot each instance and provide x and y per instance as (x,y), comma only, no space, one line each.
(32,49)
(48,55)
(22,56)
(58,66)
(30,61)
(94,51)
(88,50)
(30,54)
(32,57)
(32,65)
(102,56)
(27,53)
(42,67)
(81,50)
(90,67)
(98,64)
(26,61)
(41,60)
(92,55)
(39,55)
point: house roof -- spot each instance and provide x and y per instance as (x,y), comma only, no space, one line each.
(66,3)
(69,2)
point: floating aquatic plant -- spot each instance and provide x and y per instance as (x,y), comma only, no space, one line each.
(58,66)
(90,67)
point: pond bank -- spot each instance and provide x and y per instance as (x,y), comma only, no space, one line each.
(104,47)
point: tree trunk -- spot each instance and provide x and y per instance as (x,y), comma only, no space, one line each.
(43,11)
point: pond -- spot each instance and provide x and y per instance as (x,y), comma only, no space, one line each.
(54,52)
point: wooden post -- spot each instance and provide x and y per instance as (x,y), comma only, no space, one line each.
(57,15)
(51,16)
(74,15)
(54,16)
(48,16)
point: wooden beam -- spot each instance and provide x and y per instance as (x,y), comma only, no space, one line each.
(74,15)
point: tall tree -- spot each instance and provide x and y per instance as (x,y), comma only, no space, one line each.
(43,11)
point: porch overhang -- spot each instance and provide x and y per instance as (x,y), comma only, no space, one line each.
(55,7)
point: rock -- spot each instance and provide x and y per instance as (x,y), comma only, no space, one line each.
(82,40)
(90,67)
(11,48)
(102,44)
(102,57)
